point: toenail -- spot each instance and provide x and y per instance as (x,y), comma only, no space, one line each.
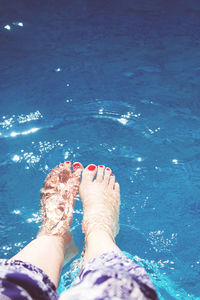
(61,165)
(111,174)
(52,170)
(76,166)
(91,168)
(67,162)
(100,166)
(107,169)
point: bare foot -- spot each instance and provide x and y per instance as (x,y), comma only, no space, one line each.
(58,196)
(101,201)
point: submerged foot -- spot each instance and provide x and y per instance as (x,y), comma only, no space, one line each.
(58,196)
(101,200)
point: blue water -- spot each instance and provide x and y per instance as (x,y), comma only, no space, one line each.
(114,83)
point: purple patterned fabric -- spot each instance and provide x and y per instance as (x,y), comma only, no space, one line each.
(109,276)
(23,281)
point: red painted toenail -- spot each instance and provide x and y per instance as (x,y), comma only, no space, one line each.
(76,166)
(67,162)
(91,168)
(52,170)
(100,166)
(111,174)
(107,169)
(115,181)
(61,165)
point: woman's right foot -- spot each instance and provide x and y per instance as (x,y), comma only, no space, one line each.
(58,196)
(101,201)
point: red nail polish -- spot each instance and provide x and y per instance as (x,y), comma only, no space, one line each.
(76,166)
(107,169)
(111,174)
(52,170)
(61,165)
(91,168)
(115,181)
(67,162)
(100,166)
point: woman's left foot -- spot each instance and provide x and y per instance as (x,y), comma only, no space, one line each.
(58,197)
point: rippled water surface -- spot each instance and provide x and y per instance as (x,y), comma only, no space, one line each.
(114,83)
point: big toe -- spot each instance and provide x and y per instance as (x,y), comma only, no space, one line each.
(89,173)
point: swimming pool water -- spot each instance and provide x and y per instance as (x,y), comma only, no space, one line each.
(114,83)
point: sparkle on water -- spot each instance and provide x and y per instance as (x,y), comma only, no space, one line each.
(120,91)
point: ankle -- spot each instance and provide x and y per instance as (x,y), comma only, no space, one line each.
(99,235)
(60,242)
(98,242)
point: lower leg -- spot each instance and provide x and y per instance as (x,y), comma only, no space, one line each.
(47,253)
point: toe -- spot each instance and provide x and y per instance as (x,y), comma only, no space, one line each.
(107,175)
(89,173)
(100,173)
(67,165)
(76,166)
(112,181)
(77,169)
(52,178)
(63,172)
(55,170)
(116,187)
